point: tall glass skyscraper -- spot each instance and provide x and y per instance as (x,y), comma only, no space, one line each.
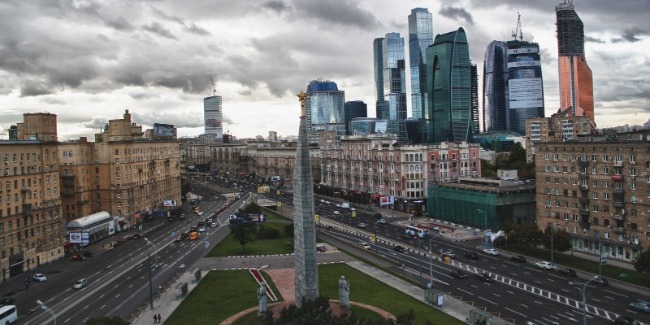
(378,65)
(420,37)
(449,84)
(495,77)
(512,86)
(325,109)
(213,117)
(354,109)
(576,81)
(392,77)
(525,86)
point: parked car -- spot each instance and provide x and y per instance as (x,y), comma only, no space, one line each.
(362,225)
(458,274)
(448,253)
(399,249)
(642,306)
(80,283)
(40,277)
(491,251)
(202,229)
(518,259)
(88,254)
(136,236)
(471,255)
(336,212)
(77,257)
(600,280)
(626,320)
(545,265)
(365,245)
(382,221)
(568,272)
(485,277)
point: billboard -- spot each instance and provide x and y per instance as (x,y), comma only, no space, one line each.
(79,238)
(525,93)
(169,203)
(386,200)
(161,131)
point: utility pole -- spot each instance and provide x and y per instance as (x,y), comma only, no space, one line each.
(150,282)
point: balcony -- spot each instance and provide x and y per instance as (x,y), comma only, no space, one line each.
(584,187)
(619,204)
(584,200)
(619,230)
(619,191)
(618,163)
(585,224)
(584,212)
(619,216)
(583,163)
(617,177)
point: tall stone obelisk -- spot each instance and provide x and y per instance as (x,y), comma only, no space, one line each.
(303,217)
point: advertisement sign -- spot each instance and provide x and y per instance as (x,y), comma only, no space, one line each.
(525,93)
(257,217)
(169,203)
(79,238)
(163,131)
(523,50)
(386,200)
(523,64)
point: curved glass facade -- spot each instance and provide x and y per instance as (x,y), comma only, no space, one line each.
(495,76)
(420,37)
(449,85)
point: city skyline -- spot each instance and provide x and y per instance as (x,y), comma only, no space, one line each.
(156,59)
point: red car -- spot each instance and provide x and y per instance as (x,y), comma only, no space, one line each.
(78,257)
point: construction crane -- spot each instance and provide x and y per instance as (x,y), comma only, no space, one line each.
(214,89)
(518,30)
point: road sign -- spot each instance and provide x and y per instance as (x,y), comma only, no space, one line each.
(316,218)
(603,259)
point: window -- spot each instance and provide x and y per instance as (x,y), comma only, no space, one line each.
(594,195)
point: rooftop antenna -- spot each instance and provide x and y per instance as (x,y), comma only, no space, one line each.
(518,30)
(214,89)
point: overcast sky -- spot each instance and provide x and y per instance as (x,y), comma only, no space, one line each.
(87,61)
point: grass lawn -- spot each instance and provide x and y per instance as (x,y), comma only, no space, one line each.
(224,293)
(281,245)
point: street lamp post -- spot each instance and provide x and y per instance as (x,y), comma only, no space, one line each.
(44,307)
(150,283)
(154,249)
(584,297)
(552,235)
(430,264)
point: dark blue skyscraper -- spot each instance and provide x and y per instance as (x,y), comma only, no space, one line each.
(495,77)
(449,84)
(420,37)
(354,109)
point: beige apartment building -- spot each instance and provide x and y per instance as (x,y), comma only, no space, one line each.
(556,128)
(597,188)
(45,184)
(31,225)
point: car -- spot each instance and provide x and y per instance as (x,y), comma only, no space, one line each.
(202,229)
(336,212)
(626,320)
(399,248)
(600,280)
(213,224)
(81,283)
(88,254)
(362,225)
(78,257)
(568,272)
(491,251)
(448,253)
(330,228)
(178,238)
(642,306)
(545,265)
(365,245)
(485,277)
(518,259)
(382,221)
(471,255)
(40,277)
(136,236)
(458,274)
(353,209)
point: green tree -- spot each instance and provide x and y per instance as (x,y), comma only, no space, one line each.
(243,232)
(115,320)
(642,261)
(561,239)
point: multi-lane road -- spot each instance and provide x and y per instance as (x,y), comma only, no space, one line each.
(118,279)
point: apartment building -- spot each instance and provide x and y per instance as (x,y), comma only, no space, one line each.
(597,188)
(31,224)
(557,128)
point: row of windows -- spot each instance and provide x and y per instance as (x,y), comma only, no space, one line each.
(592,157)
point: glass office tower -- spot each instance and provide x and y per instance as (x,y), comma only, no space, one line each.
(381,108)
(354,109)
(525,86)
(576,81)
(449,86)
(213,117)
(325,109)
(495,77)
(420,37)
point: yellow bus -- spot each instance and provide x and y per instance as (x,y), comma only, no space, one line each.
(194,235)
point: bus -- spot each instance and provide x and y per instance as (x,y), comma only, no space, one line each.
(417,231)
(194,235)
(93,227)
(8,314)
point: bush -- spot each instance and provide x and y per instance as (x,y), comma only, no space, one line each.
(268,233)
(288,230)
